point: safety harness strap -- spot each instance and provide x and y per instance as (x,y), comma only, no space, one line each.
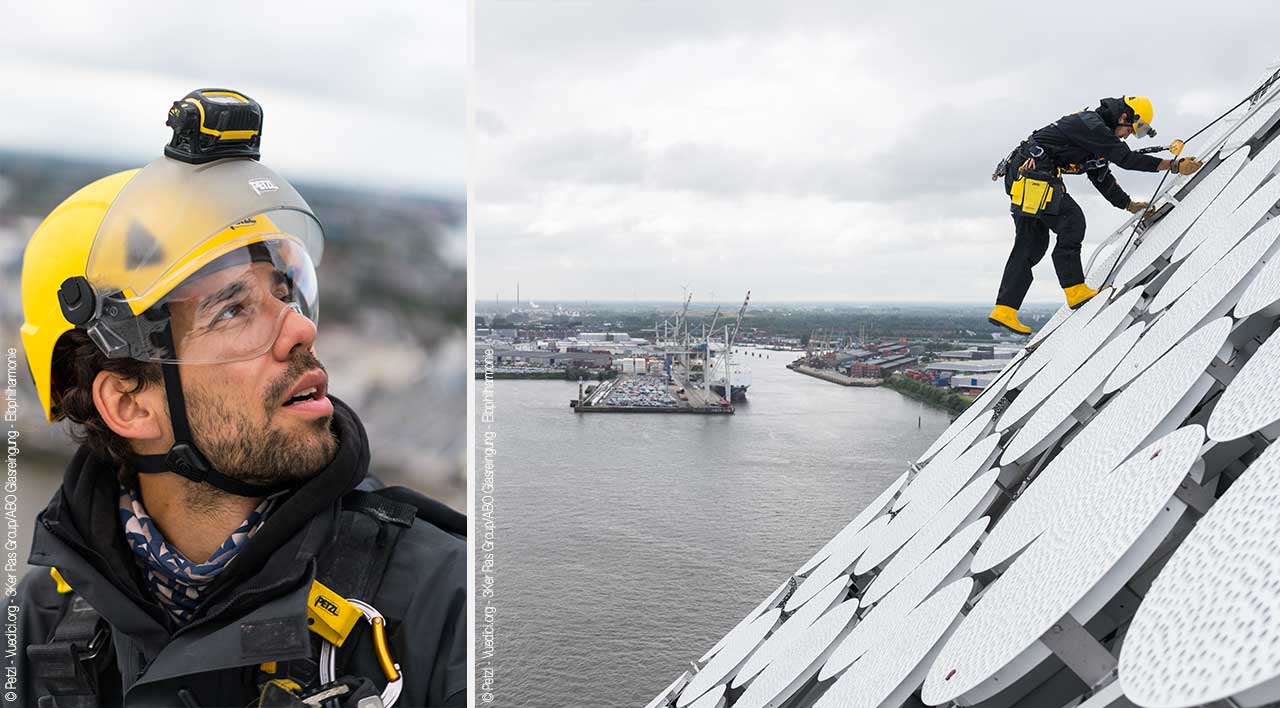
(69,664)
(427,509)
(353,564)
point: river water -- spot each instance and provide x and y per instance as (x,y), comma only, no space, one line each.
(627,544)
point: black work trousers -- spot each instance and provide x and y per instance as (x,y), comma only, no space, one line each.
(1031,240)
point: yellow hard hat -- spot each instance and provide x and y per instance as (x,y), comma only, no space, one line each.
(117,255)
(60,246)
(1141,112)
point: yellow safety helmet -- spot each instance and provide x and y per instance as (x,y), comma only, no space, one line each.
(197,258)
(119,255)
(1142,114)
(59,246)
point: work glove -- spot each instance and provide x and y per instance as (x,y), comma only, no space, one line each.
(1186,166)
(1135,207)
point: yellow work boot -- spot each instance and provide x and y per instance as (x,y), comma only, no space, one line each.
(1007,317)
(1078,295)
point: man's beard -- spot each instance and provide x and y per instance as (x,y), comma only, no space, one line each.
(244,449)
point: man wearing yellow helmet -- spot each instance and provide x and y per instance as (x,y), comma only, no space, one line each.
(1087,142)
(217,536)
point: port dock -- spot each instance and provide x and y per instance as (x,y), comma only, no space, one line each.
(649,393)
(833,377)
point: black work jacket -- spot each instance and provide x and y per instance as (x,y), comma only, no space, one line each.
(1078,138)
(255,610)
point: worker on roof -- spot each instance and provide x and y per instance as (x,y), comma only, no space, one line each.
(1087,142)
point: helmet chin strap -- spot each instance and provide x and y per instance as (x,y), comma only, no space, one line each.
(184,458)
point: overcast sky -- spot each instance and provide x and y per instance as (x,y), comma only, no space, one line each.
(807,150)
(368,94)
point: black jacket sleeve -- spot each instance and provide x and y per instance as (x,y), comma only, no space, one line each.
(1108,187)
(1092,134)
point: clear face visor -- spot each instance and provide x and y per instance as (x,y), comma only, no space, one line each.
(202,263)
(1142,129)
(232,309)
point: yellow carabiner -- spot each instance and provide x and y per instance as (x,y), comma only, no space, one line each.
(380,648)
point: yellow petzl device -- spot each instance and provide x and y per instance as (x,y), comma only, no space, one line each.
(329,614)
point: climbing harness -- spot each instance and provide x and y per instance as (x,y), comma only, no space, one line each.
(1034,189)
(80,651)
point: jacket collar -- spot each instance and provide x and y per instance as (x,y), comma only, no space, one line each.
(79,533)
(1110,109)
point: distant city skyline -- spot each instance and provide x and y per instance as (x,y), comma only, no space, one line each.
(807,151)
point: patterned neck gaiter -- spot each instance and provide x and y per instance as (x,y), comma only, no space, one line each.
(175,582)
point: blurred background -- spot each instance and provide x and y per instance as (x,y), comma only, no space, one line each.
(364,112)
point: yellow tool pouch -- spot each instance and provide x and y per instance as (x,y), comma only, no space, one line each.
(1034,193)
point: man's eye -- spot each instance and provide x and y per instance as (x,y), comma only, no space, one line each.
(228,313)
(283,288)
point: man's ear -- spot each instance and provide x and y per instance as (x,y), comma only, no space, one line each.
(135,414)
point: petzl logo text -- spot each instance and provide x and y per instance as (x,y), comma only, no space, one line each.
(261,186)
(327,606)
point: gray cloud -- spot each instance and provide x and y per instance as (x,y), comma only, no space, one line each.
(352,94)
(588,156)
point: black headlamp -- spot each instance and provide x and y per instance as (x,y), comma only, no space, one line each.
(210,124)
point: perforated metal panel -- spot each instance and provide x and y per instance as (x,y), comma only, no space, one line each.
(1115,317)
(1233,195)
(1211,297)
(1252,401)
(783,677)
(943,566)
(1209,628)
(768,603)
(1232,231)
(727,661)
(1264,290)
(1055,417)
(1259,116)
(711,699)
(1161,237)
(790,629)
(840,561)
(971,503)
(1050,326)
(943,461)
(1061,339)
(887,675)
(938,490)
(1153,405)
(859,522)
(1115,522)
